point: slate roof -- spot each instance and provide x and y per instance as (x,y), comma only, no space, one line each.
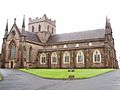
(74,36)
(90,34)
(31,36)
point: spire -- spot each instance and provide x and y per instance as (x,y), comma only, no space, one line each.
(107,25)
(44,17)
(6,30)
(108,28)
(6,26)
(14,20)
(23,26)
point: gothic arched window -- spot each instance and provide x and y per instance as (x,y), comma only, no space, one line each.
(80,57)
(48,28)
(66,57)
(13,51)
(52,30)
(30,54)
(96,56)
(43,58)
(53,58)
(39,28)
(32,28)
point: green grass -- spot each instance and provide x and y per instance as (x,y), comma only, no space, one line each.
(1,77)
(64,74)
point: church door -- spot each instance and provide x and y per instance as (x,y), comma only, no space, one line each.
(12,63)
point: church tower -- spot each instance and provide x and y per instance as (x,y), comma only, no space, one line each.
(42,24)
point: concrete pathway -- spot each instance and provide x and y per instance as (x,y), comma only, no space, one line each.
(17,80)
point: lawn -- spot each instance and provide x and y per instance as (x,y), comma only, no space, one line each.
(64,74)
(0,77)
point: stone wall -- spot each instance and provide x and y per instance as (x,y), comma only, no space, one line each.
(88,59)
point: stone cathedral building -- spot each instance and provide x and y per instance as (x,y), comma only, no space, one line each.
(41,47)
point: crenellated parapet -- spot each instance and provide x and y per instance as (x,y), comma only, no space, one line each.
(43,19)
(42,24)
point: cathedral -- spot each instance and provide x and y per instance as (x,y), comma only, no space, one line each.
(41,47)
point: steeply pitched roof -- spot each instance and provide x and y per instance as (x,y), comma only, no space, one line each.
(56,38)
(31,36)
(90,34)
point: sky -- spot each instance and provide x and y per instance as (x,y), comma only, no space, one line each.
(70,15)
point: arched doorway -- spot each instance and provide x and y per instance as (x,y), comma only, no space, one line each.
(12,64)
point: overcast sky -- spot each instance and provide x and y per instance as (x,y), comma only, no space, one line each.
(70,15)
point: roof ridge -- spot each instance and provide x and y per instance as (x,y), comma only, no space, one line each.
(77,31)
(82,35)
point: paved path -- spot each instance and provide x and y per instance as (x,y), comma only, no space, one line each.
(17,80)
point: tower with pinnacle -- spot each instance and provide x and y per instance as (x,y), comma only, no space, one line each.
(42,24)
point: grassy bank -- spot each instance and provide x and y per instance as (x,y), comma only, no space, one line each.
(64,74)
